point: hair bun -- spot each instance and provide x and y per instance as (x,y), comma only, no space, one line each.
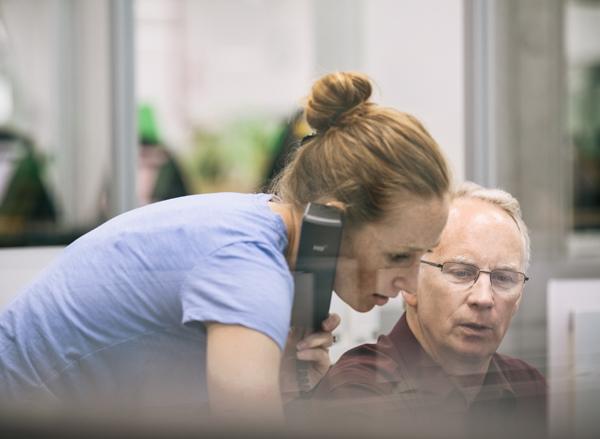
(333,95)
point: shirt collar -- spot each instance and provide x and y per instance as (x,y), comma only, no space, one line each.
(421,373)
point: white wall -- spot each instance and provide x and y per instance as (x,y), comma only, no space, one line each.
(18,266)
(582,32)
(573,310)
(414,51)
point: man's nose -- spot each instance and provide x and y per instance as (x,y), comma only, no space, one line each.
(481,293)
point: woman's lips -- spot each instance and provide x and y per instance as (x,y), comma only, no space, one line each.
(380,299)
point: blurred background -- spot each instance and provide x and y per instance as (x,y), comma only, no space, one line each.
(106,105)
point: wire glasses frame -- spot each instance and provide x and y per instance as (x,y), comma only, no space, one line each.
(468,274)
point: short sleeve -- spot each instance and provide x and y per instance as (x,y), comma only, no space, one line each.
(246,283)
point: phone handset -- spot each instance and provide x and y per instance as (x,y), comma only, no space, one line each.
(320,237)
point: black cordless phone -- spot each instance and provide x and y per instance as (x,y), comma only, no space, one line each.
(314,276)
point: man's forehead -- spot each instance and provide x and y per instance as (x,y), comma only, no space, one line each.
(470,212)
(472,224)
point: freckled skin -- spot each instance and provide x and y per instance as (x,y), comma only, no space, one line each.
(364,268)
(483,235)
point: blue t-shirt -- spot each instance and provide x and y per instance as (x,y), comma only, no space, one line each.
(118,317)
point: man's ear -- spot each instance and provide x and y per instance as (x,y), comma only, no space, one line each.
(410,298)
(516,308)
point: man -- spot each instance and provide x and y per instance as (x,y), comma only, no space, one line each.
(441,355)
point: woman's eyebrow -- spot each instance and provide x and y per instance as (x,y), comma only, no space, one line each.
(406,249)
(421,249)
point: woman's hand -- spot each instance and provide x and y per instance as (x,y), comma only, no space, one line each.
(306,358)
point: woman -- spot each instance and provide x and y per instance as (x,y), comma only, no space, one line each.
(189,300)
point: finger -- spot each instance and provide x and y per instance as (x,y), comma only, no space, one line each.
(319,356)
(331,322)
(296,333)
(315,340)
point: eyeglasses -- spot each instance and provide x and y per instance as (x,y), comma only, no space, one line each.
(502,281)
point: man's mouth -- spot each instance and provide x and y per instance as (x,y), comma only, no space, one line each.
(477,327)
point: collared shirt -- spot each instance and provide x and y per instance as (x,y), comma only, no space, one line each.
(395,376)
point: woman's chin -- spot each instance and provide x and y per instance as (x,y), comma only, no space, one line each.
(363,306)
(359,304)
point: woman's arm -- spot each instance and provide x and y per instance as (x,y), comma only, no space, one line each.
(242,370)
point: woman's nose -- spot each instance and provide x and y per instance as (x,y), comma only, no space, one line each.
(407,279)
(393,280)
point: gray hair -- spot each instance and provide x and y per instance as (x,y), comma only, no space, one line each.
(504,201)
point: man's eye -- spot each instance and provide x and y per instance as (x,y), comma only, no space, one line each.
(505,276)
(461,274)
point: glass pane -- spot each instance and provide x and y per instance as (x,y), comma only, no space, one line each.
(55,114)
(583,63)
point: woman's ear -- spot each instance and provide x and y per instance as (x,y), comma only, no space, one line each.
(337,204)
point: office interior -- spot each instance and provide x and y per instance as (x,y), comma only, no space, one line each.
(107,105)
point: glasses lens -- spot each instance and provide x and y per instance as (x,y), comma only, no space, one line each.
(460,273)
(506,280)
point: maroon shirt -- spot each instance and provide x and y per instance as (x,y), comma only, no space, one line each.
(397,377)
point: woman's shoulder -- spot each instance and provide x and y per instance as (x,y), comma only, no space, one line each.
(199,224)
